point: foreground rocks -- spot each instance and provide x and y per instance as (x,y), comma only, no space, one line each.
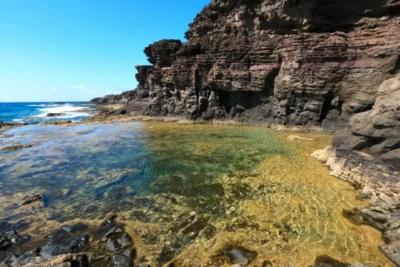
(71,245)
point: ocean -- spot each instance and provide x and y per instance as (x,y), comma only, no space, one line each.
(36,112)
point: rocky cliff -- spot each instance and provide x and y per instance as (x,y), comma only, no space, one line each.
(290,62)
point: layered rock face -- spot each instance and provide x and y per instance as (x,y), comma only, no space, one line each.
(289,62)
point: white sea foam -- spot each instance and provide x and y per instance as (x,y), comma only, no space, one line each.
(67,110)
(44,105)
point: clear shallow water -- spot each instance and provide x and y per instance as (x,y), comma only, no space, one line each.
(37,111)
(195,189)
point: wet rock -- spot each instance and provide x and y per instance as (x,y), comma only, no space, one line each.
(62,245)
(55,114)
(5,242)
(238,256)
(241,256)
(9,239)
(58,122)
(209,231)
(99,260)
(7,227)
(7,258)
(80,260)
(353,216)
(32,256)
(117,239)
(326,261)
(15,147)
(166,255)
(111,218)
(78,227)
(30,199)
(124,259)
(107,226)
(140,216)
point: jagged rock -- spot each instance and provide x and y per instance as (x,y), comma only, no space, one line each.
(63,242)
(117,239)
(124,259)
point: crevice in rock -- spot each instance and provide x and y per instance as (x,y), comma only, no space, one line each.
(396,67)
(269,83)
(326,106)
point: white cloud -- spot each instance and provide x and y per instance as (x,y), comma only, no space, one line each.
(55,89)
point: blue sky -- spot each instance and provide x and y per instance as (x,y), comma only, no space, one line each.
(75,50)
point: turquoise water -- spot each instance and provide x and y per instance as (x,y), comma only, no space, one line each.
(104,166)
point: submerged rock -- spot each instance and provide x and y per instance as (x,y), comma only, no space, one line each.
(30,199)
(241,256)
(238,256)
(326,261)
(7,227)
(16,147)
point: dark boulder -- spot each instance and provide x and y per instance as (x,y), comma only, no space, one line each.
(62,244)
(13,238)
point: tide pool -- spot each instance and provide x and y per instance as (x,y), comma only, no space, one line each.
(191,190)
